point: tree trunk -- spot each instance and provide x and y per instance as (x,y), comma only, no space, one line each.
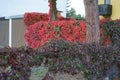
(52,10)
(92,20)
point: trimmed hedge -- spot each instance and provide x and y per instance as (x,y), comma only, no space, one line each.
(34,17)
(60,56)
(38,34)
(40,30)
(65,55)
(111,28)
(14,63)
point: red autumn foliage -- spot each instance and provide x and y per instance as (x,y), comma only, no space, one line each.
(39,29)
(39,33)
(105,39)
(32,18)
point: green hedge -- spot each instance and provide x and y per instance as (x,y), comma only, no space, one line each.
(94,61)
(60,56)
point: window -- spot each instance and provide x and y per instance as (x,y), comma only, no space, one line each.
(107,1)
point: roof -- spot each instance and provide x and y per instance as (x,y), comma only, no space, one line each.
(14,17)
(2,18)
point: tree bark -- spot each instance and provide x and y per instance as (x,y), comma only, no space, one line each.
(52,10)
(92,20)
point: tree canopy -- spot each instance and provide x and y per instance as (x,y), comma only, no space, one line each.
(72,13)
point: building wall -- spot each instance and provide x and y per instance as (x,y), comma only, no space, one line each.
(18,30)
(115,8)
(4,32)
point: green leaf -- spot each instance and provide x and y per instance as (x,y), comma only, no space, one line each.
(56,28)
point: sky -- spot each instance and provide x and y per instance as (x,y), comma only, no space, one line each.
(78,5)
(18,7)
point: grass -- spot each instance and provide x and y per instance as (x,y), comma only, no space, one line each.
(37,73)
